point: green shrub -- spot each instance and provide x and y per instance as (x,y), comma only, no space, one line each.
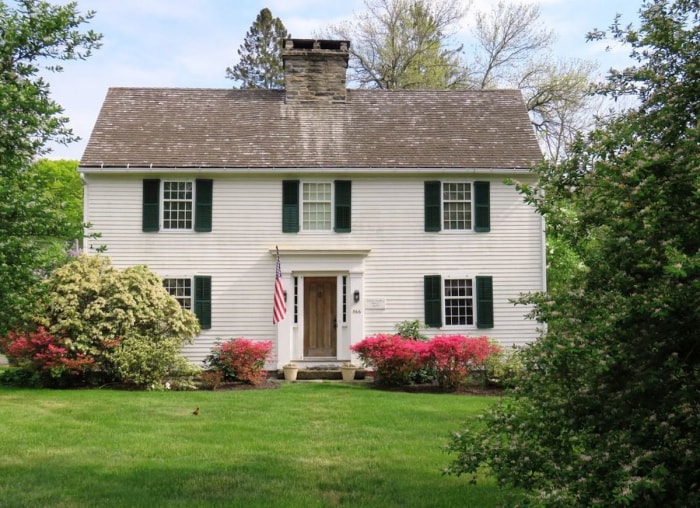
(16,376)
(124,319)
(505,367)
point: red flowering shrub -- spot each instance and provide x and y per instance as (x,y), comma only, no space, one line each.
(394,358)
(241,360)
(453,356)
(450,358)
(45,355)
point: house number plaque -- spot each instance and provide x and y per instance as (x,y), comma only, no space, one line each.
(375,303)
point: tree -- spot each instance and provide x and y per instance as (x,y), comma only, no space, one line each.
(607,413)
(409,44)
(514,50)
(404,44)
(33,33)
(260,55)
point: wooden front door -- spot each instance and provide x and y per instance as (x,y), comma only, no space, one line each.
(320,320)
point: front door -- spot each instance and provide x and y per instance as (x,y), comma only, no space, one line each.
(320,320)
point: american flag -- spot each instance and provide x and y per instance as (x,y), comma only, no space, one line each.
(279,308)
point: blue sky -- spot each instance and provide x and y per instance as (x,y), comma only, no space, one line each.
(189,43)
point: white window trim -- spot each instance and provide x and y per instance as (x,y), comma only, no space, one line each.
(302,203)
(444,299)
(162,204)
(191,281)
(443,229)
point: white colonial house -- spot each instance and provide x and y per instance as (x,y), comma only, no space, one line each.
(386,205)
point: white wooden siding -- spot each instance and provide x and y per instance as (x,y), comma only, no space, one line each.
(387,219)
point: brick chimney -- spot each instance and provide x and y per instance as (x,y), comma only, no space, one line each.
(314,71)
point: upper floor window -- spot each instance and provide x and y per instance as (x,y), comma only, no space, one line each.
(457,206)
(177,205)
(316,206)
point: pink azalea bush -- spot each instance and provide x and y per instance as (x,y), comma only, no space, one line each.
(394,358)
(397,360)
(46,356)
(453,357)
(241,360)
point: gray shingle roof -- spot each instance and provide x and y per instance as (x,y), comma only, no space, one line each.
(223,128)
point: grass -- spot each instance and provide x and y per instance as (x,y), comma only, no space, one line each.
(305,444)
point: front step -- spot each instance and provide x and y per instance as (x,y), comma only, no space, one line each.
(322,373)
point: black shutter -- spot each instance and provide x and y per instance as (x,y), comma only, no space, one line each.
(482,207)
(484,302)
(151,206)
(202,300)
(432,206)
(290,206)
(432,295)
(343,199)
(203,193)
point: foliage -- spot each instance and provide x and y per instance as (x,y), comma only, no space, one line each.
(32,219)
(393,357)
(212,379)
(453,357)
(46,358)
(260,55)
(411,330)
(505,367)
(409,44)
(404,44)
(124,319)
(607,412)
(449,358)
(241,360)
(514,50)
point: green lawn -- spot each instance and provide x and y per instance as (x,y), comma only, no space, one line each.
(305,444)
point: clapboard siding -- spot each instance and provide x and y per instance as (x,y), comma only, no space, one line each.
(387,219)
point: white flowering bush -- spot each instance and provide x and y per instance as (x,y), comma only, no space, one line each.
(124,319)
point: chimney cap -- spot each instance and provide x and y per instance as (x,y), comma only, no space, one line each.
(317,45)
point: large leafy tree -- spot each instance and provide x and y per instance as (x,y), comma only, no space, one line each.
(404,44)
(33,34)
(608,413)
(412,44)
(260,55)
(513,49)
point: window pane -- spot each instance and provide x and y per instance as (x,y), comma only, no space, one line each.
(459,302)
(181,290)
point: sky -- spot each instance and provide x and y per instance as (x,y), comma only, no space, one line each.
(190,43)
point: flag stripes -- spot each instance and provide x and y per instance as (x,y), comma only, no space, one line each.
(279,309)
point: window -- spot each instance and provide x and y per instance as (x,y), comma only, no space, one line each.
(185,205)
(457,206)
(316,206)
(181,290)
(460,206)
(192,294)
(459,302)
(177,205)
(462,302)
